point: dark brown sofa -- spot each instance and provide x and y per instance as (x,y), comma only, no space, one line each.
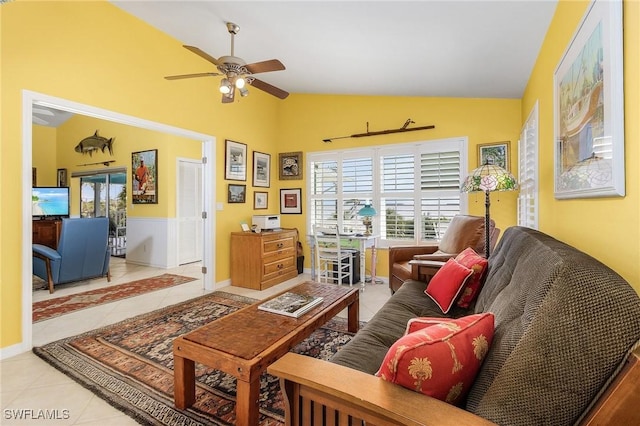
(564,326)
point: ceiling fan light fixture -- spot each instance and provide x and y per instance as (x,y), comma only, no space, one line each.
(240,82)
(225,86)
(243,92)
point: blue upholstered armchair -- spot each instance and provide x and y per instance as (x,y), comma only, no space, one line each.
(83,253)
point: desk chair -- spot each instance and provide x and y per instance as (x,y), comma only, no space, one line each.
(334,262)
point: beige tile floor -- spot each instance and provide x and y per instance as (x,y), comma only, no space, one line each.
(28,385)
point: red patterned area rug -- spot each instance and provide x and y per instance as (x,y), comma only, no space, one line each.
(47,309)
(130,364)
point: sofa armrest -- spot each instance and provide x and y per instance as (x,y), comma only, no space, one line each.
(352,394)
(404,253)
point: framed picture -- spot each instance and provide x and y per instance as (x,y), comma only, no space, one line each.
(34,177)
(62,177)
(291,201)
(145,177)
(235,161)
(237,193)
(494,153)
(290,165)
(588,108)
(260,200)
(261,169)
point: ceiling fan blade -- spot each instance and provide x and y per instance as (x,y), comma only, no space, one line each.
(229,97)
(265,66)
(202,54)
(272,90)
(200,74)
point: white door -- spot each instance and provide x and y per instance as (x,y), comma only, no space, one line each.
(189,211)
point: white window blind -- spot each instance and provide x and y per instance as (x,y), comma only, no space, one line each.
(528,172)
(415,188)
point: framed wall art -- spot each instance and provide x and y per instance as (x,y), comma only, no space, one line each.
(261,169)
(260,200)
(290,165)
(235,161)
(237,193)
(589,109)
(291,201)
(62,177)
(145,177)
(494,153)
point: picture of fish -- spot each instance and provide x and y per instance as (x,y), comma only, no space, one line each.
(94,143)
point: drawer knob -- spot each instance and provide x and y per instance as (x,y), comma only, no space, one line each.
(280,245)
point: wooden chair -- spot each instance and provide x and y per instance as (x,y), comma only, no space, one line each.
(334,263)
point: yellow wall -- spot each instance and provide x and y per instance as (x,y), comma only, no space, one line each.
(606,228)
(305,120)
(90,59)
(126,139)
(44,143)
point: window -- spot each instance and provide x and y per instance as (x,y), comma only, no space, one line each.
(528,169)
(415,189)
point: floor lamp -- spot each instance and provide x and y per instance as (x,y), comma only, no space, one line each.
(488,178)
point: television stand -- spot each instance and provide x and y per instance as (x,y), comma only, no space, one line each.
(46,232)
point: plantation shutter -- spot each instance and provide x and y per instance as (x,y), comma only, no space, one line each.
(440,188)
(528,172)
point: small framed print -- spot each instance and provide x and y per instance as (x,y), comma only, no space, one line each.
(290,165)
(62,177)
(260,200)
(235,161)
(291,201)
(261,169)
(496,153)
(237,193)
(144,185)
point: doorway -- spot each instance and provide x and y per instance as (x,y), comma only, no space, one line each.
(104,194)
(31,99)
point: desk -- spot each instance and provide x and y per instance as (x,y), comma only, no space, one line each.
(362,243)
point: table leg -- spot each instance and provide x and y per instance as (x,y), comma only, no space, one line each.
(353,316)
(247,396)
(184,382)
(363,252)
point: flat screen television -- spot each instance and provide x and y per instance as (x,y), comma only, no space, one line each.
(50,202)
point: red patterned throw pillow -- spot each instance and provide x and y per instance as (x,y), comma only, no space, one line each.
(445,286)
(478,264)
(440,360)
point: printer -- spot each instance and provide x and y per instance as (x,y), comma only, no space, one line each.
(265,222)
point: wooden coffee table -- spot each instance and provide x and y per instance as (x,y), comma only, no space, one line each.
(246,342)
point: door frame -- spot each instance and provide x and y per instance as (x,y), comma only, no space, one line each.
(29,99)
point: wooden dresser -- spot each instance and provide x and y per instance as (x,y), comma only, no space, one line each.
(46,232)
(259,261)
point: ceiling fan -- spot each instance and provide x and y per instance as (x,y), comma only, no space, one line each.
(237,73)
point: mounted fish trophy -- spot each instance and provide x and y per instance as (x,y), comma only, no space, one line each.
(93,143)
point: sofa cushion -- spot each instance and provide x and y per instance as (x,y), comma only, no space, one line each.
(387,325)
(478,264)
(440,360)
(447,283)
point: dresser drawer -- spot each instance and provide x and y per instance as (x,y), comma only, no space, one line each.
(279,266)
(274,246)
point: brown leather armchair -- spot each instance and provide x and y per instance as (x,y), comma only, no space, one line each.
(463,231)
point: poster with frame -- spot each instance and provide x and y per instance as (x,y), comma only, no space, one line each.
(235,160)
(237,193)
(589,108)
(496,153)
(290,165)
(261,169)
(260,200)
(144,185)
(291,201)
(62,178)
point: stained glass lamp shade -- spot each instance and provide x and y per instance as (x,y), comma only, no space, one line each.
(367,212)
(488,178)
